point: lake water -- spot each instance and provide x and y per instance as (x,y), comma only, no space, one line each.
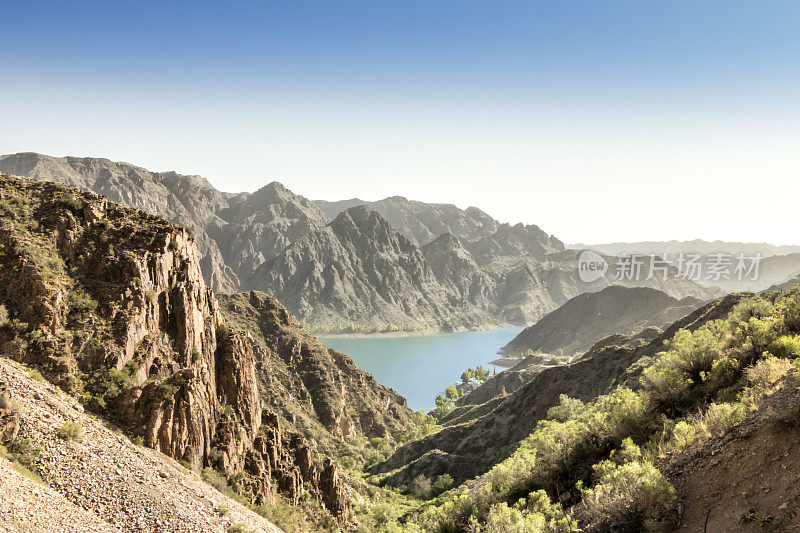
(421,367)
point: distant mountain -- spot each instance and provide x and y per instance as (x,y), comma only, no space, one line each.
(256,227)
(359,274)
(422,222)
(695,246)
(585,319)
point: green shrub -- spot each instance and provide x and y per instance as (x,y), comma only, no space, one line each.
(150,296)
(240,528)
(23,464)
(567,409)
(223,509)
(505,519)
(442,483)
(627,494)
(348,462)
(25,452)
(420,488)
(787,346)
(70,431)
(35,375)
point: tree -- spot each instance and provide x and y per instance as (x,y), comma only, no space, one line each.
(444,406)
(451,392)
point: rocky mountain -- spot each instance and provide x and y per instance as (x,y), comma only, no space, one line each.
(257,227)
(359,274)
(110,304)
(316,391)
(473,443)
(585,319)
(422,222)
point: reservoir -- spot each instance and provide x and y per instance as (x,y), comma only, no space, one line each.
(420,367)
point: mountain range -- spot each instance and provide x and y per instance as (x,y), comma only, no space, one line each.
(390,265)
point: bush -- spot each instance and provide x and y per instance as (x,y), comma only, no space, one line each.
(567,409)
(348,462)
(150,296)
(240,528)
(442,483)
(70,431)
(35,375)
(714,422)
(628,493)
(787,346)
(25,452)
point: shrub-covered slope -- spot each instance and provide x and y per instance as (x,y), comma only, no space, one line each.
(607,464)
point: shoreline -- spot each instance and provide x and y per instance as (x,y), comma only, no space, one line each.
(414,333)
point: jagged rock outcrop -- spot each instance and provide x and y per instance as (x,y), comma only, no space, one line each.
(358,273)
(467,449)
(111,305)
(422,222)
(582,321)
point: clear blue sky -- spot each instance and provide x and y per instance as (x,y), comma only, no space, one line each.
(594,119)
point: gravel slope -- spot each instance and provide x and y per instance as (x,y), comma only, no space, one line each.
(104,482)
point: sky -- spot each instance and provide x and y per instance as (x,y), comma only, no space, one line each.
(599,121)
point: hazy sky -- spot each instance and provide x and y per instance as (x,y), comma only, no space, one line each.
(597,120)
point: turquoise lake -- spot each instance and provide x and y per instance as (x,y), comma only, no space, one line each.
(421,367)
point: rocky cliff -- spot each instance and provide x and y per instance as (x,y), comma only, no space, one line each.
(582,321)
(314,390)
(111,305)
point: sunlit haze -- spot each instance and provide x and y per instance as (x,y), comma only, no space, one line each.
(598,121)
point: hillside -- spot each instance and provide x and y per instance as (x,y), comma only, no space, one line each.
(235,233)
(468,449)
(693,430)
(109,304)
(582,321)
